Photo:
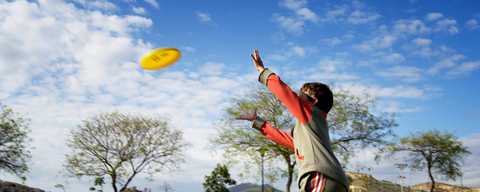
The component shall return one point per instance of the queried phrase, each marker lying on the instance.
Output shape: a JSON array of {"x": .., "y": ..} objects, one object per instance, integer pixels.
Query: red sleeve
[
  {"x": 300, "y": 108},
  {"x": 278, "y": 136}
]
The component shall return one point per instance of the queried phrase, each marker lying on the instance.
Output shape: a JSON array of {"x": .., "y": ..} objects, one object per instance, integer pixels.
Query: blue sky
[{"x": 61, "y": 61}]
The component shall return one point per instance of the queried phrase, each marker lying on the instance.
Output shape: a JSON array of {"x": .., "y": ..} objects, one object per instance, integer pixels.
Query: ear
[{"x": 315, "y": 102}]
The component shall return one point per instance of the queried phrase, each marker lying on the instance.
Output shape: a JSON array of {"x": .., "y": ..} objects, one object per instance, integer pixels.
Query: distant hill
[
  {"x": 12, "y": 186},
  {"x": 443, "y": 187},
  {"x": 371, "y": 184},
  {"x": 248, "y": 187}
]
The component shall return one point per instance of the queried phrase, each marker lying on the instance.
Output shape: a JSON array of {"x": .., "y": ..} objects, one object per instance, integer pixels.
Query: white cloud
[
  {"x": 97, "y": 5},
  {"x": 189, "y": 49},
  {"x": 410, "y": 27},
  {"x": 138, "y": 10},
  {"x": 407, "y": 74},
  {"x": 471, "y": 165},
  {"x": 332, "y": 15},
  {"x": 327, "y": 76},
  {"x": 421, "y": 47},
  {"x": 68, "y": 32},
  {"x": 446, "y": 22},
  {"x": 393, "y": 58},
  {"x": 433, "y": 16},
  {"x": 425, "y": 52},
  {"x": 342, "y": 54},
  {"x": 396, "y": 107},
  {"x": 445, "y": 63},
  {"x": 471, "y": 24},
  {"x": 329, "y": 65},
  {"x": 292, "y": 50},
  {"x": 421, "y": 42},
  {"x": 296, "y": 23},
  {"x": 153, "y": 3},
  {"x": 277, "y": 37},
  {"x": 397, "y": 91},
  {"x": 293, "y": 4},
  {"x": 453, "y": 30},
  {"x": 211, "y": 68},
  {"x": 70, "y": 63},
  {"x": 382, "y": 42},
  {"x": 349, "y": 36},
  {"x": 300, "y": 51},
  {"x": 307, "y": 14},
  {"x": 358, "y": 17},
  {"x": 332, "y": 42},
  {"x": 463, "y": 70},
  {"x": 358, "y": 4},
  {"x": 277, "y": 57},
  {"x": 447, "y": 25},
  {"x": 205, "y": 18},
  {"x": 292, "y": 25}
]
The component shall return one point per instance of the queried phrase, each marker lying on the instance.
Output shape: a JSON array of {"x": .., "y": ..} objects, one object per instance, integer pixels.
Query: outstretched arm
[{"x": 278, "y": 136}]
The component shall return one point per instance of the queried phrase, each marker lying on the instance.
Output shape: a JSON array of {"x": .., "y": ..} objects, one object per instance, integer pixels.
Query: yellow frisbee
[{"x": 160, "y": 58}]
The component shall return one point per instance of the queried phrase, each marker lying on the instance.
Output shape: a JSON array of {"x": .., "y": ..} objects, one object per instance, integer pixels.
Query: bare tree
[{"x": 121, "y": 146}]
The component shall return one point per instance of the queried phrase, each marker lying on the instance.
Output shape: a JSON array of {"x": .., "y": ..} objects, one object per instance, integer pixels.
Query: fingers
[
  {"x": 242, "y": 117},
  {"x": 257, "y": 55}
]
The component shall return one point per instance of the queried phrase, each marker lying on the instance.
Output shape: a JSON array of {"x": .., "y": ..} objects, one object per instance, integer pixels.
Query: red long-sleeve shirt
[{"x": 301, "y": 109}]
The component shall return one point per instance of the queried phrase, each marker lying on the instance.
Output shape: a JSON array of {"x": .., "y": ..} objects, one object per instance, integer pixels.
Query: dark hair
[{"x": 321, "y": 92}]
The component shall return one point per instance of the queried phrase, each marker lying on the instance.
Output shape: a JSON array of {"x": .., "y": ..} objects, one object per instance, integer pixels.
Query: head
[{"x": 319, "y": 95}]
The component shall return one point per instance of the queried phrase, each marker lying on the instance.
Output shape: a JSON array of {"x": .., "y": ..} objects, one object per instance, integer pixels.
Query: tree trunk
[
  {"x": 431, "y": 178},
  {"x": 114, "y": 184},
  {"x": 290, "y": 177}
]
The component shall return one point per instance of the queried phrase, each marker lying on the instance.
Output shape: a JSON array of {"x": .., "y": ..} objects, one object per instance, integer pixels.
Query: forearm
[{"x": 278, "y": 136}]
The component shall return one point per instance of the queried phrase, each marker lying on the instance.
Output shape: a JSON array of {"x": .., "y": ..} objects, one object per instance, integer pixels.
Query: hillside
[
  {"x": 249, "y": 187},
  {"x": 369, "y": 183}
]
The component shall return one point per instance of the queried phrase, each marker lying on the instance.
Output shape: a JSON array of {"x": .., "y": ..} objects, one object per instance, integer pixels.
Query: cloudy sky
[{"x": 62, "y": 61}]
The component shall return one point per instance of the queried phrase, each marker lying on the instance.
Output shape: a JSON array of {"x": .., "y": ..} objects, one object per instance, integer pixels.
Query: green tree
[
  {"x": 441, "y": 154},
  {"x": 122, "y": 146},
  {"x": 217, "y": 180},
  {"x": 353, "y": 126},
  {"x": 14, "y": 153}
]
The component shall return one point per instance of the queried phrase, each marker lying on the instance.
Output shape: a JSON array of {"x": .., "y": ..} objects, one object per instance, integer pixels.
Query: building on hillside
[{"x": 6, "y": 186}]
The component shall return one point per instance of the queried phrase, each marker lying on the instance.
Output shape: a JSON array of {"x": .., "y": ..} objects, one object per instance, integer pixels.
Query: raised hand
[{"x": 257, "y": 61}]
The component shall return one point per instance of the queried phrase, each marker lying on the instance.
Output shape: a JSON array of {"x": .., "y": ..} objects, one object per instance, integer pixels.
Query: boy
[{"x": 318, "y": 168}]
